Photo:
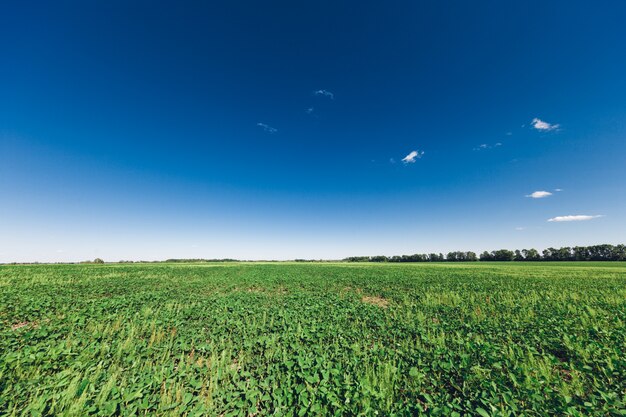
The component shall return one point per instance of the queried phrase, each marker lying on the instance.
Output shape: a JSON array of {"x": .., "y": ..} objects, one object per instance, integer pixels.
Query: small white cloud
[
  {"x": 309, "y": 110},
  {"x": 268, "y": 129},
  {"x": 574, "y": 218},
  {"x": 558, "y": 190},
  {"x": 540, "y": 194},
  {"x": 483, "y": 146},
  {"x": 520, "y": 228},
  {"x": 543, "y": 126},
  {"x": 325, "y": 93},
  {"x": 410, "y": 158},
  {"x": 391, "y": 160}
]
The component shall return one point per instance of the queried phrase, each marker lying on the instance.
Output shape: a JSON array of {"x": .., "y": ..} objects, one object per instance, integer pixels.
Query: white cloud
[
  {"x": 574, "y": 218},
  {"x": 268, "y": 129},
  {"x": 325, "y": 93},
  {"x": 520, "y": 228},
  {"x": 309, "y": 110},
  {"x": 540, "y": 194},
  {"x": 543, "y": 126},
  {"x": 483, "y": 146},
  {"x": 558, "y": 190},
  {"x": 410, "y": 158}
]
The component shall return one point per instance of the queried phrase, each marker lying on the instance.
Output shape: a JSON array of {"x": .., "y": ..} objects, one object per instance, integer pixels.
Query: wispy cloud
[
  {"x": 309, "y": 110},
  {"x": 520, "y": 228},
  {"x": 325, "y": 93},
  {"x": 411, "y": 157},
  {"x": 539, "y": 194},
  {"x": 574, "y": 218},
  {"x": 543, "y": 126},
  {"x": 266, "y": 128},
  {"x": 558, "y": 190},
  {"x": 392, "y": 161},
  {"x": 483, "y": 146}
]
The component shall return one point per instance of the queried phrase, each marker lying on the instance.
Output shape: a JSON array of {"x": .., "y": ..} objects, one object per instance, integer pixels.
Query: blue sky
[{"x": 278, "y": 130}]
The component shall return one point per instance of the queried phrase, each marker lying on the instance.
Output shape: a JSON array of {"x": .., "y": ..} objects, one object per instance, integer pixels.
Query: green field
[{"x": 253, "y": 339}]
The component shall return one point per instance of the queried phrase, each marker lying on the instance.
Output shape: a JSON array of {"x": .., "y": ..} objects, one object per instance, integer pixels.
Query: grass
[{"x": 483, "y": 339}]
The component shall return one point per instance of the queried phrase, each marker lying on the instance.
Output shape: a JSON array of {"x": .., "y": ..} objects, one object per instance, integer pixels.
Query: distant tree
[
  {"x": 581, "y": 253},
  {"x": 416, "y": 257},
  {"x": 379, "y": 258},
  {"x": 531, "y": 255},
  {"x": 453, "y": 257},
  {"x": 486, "y": 256},
  {"x": 595, "y": 252},
  {"x": 460, "y": 256},
  {"x": 357, "y": 259},
  {"x": 98, "y": 261},
  {"x": 563, "y": 254},
  {"x": 502, "y": 255},
  {"x": 604, "y": 252},
  {"x": 549, "y": 254},
  {"x": 619, "y": 253}
]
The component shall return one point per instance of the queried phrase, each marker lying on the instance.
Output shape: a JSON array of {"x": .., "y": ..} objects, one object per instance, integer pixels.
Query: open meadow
[{"x": 255, "y": 339}]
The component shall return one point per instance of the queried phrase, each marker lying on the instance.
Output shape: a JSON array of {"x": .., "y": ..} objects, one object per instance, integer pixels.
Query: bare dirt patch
[
  {"x": 22, "y": 324},
  {"x": 376, "y": 301},
  {"x": 280, "y": 291},
  {"x": 264, "y": 291}
]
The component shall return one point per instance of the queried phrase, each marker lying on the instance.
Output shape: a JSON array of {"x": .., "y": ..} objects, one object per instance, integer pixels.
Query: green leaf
[{"x": 482, "y": 412}]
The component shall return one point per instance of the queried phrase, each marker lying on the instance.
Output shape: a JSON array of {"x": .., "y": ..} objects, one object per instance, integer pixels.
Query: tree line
[{"x": 604, "y": 252}]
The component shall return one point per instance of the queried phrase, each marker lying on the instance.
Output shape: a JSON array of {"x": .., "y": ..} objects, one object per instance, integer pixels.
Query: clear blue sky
[{"x": 256, "y": 130}]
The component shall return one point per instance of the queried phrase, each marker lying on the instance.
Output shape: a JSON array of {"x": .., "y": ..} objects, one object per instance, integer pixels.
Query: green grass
[{"x": 483, "y": 339}]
